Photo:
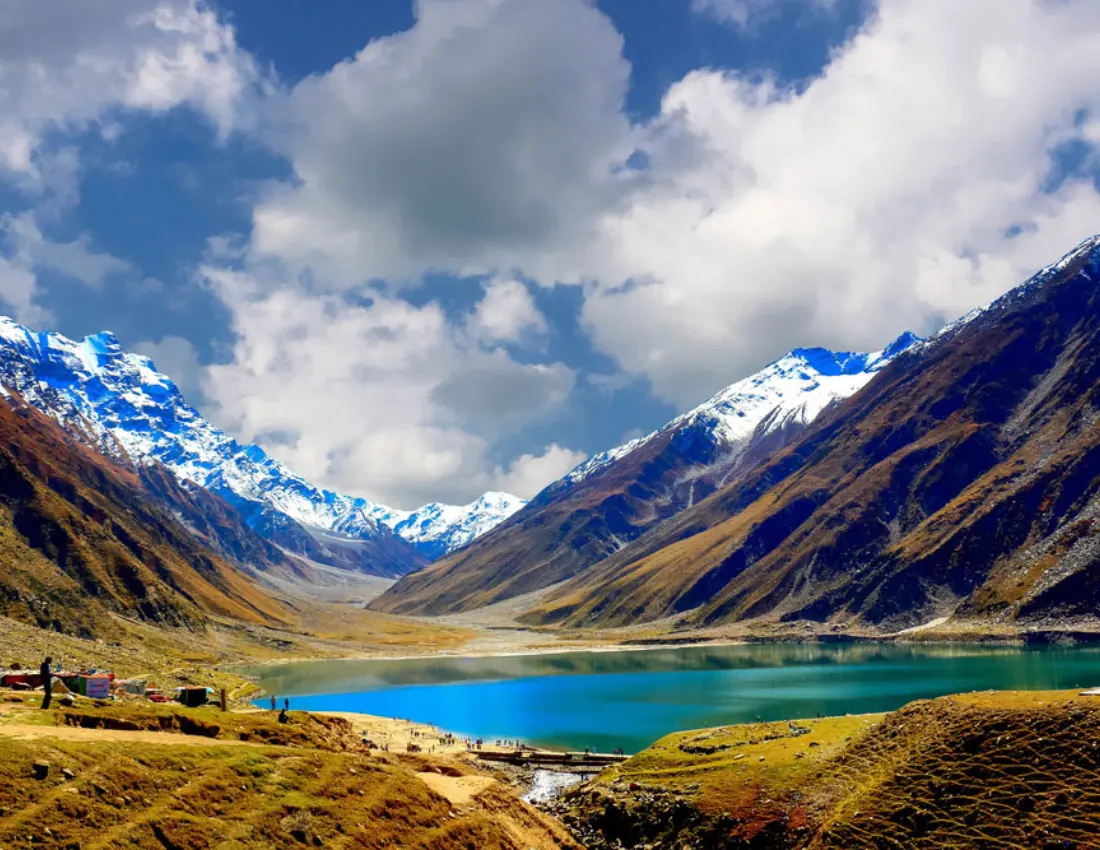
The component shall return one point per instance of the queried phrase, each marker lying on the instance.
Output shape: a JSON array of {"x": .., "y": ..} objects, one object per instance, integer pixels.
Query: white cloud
[
  {"x": 879, "y": 197},
  {"x": 67, "y": 64},
  {"x": 28, "y": 247},
  {"x": 24, "y": 251},
  {"x": 744, "y": 13},
  {"x": 528, "y": 474},
  {"x": 507, "y": 313},
  {"x": 373, "y": 395},
  {"x": 17, "y": 289},
  {"x": 475, "y": 140}
]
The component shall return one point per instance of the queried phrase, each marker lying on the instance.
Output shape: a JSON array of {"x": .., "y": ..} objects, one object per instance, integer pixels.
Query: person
[
  {"x": 286, "y": 703},
  {"x": 273, "y": 702},
  {"x": 46, "y": 672}
]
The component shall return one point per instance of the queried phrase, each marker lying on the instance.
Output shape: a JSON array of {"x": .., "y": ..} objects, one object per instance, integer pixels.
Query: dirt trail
[
  {"x": 75, "y": 733},
  {"x": 459, "y": 790}
]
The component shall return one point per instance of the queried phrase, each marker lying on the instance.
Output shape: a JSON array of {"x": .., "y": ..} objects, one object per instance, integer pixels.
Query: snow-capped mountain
[
  {"x": 793, "y": 390},
  {"x": 120, "y": 402},
  {"x": 437, "y": 529},
  {"x": 615, "y": 497}
]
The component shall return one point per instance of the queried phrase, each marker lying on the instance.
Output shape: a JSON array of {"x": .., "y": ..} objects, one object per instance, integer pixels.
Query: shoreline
[
  {"x": 489, "y": 653},
  {"x": 1039, "y": 637}
]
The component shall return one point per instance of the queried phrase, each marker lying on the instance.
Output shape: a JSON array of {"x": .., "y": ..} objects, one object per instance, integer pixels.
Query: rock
[
  {"x": 68, "y": 774},
  {"x": 41, "y": 769}
]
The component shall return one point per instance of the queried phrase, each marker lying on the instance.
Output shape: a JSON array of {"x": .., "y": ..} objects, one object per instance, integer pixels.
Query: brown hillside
[
  {"x": 220, "y": 527},
  {"x": 973, "y": 771},
  {"x": 198, "y": 779},
  {"x": 80, "y": 535},
  {"x": 570, "y": 527},
  {"x": 962, "y": 482}
]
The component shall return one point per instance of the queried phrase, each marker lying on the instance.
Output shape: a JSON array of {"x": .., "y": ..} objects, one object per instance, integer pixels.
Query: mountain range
[
  {"x": 951, "y": 478},
  {"x": 118, "y": 402},
  {"x": 960, "y": 482}
]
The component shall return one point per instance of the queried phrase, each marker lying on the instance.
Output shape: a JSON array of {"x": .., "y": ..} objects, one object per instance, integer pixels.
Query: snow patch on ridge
[{"x": 796, "y": 388}]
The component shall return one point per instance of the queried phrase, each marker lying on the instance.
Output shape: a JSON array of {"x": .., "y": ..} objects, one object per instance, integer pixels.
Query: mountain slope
[
  {"x": 615, "y": 497},
  {"x": 119, "y": 403},
  {"x": 81, "y": 536},
  {"x": 964, "y": 482}
]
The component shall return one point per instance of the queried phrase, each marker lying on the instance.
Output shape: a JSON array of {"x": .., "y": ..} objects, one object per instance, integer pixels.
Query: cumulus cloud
[
  {"x": 375, "y": 396},
  {"x": 530, "y": 473},
  {"x": 507, "y": 313},
  {"x": 68, "y": 64},
  {"x": 906, "y": 184},
  {"x": 474, "y": 141}
]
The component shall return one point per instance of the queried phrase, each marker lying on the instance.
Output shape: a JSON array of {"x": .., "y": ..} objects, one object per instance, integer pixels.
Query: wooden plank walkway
[{"x": 523, "y": 757}]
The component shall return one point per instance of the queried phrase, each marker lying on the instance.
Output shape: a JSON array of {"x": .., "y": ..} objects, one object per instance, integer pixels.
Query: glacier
[{"x": 119, "y": 402}]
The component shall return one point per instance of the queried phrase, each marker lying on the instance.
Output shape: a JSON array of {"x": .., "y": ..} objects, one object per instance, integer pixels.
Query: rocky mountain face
[
  {"x": 120, "y": 404},
  {"x": 82, "y": 537},
  {"x": 615, "y": 497},
  {"x": 963, "y": 482}
]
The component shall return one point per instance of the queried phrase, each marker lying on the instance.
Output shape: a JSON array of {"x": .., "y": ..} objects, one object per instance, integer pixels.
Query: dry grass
[
  {"x": 989, "y": 770},
  {"x": 306, "y": 784}
]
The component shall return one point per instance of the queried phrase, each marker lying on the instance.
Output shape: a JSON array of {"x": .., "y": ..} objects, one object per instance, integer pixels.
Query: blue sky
[{"x": 422, "y": 252}]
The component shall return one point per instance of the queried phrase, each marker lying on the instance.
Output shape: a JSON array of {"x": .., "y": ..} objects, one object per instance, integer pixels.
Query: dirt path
[
  {"x": 75, "y": 733},
  {"x": 459, "y": 790}
]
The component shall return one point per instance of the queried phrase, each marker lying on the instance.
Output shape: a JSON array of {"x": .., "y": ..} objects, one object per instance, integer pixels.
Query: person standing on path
[
  {"x": 286, "y": 703},
  {"x": 273, "y": 702},
  {"x": 46, "y": 673}
]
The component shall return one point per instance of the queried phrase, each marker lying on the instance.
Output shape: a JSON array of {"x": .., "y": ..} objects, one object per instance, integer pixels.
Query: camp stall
[
  {"x": 94, "y": 686},
  {"x": 192, "y": 697}
]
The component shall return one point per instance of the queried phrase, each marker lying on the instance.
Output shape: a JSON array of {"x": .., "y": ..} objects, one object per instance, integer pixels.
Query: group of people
[{"x": 283, "y": 718}]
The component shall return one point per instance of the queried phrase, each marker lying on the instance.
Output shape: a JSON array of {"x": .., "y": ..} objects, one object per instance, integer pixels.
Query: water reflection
[
  {"x": 605, "y": 700},
  {"x": 347, "y": 676}
]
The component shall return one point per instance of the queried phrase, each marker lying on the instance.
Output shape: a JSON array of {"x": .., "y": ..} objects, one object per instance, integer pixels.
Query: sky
[{"x": 421, "y": 250}]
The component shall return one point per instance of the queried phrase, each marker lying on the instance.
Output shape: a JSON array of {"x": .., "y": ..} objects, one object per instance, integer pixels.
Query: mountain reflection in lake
[{"x": 628, "y": 699}]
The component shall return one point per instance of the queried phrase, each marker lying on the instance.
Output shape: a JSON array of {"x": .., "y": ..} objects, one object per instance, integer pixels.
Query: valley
[{"x": 846, "y": 537}]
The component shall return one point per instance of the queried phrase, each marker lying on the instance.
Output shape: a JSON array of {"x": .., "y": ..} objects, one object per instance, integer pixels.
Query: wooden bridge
[{"x": 569, "y": 760}]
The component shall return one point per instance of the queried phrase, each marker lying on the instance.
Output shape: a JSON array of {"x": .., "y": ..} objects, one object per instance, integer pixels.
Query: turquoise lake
[{"x": 629, "y": 699}]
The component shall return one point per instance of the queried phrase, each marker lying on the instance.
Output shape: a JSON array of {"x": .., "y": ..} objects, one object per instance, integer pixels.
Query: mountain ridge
[
  {"x": 962, "y": 483},
  {"x": 119, "y": 403},
  {"x": 82, "y": 537},
  {"x": 617, "y": 496}
]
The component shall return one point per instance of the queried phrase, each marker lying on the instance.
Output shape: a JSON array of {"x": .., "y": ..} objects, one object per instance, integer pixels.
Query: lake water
[{"x": 629, "y": 699}]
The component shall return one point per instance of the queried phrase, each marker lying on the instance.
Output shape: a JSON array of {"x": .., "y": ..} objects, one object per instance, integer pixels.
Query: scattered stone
[
  {"x": 41, "y": 769},
  {"x": 67, "y": 773}
]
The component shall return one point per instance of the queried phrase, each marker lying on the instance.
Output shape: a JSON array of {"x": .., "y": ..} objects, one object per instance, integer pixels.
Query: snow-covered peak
[
  {"x": 796, "y": 388},
  {"x": 119, "y": 400},
  {"x": 449, "y": 527}
]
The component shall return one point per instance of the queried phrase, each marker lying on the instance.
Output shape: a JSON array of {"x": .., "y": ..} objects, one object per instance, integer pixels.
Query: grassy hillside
[
  {"x": 197, "y": 779},
  {"x": 980, "y": 770}
]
